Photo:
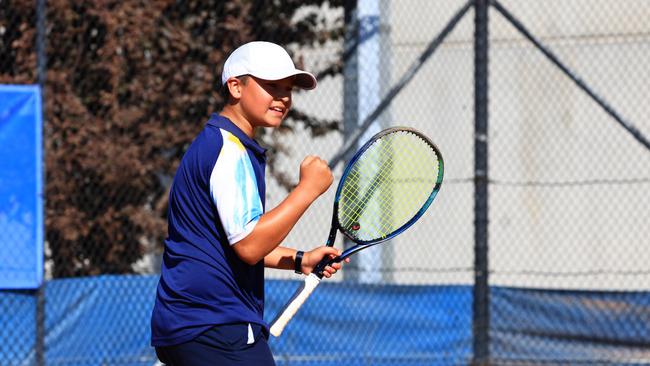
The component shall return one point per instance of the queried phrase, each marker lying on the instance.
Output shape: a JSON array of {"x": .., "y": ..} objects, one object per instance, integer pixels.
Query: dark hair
[{"x": 225, "y": 93}]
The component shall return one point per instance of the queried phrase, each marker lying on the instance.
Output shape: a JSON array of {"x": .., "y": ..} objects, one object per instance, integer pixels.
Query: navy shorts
[{"x": 229, "y": 344}]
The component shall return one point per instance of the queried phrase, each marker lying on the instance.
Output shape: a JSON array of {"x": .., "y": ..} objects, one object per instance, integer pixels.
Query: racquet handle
[{"x": 290, "y": 309}]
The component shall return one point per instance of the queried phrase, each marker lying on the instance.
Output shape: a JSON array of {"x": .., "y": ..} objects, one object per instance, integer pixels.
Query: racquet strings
[{"x": 388, "y": 185}]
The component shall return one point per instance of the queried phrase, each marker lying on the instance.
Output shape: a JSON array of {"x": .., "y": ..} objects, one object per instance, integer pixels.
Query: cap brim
[{"x": 304, "y": 80}]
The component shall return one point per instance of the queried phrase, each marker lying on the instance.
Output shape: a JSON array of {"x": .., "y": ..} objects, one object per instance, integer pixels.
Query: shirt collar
[{"x": 220, "y": 121}]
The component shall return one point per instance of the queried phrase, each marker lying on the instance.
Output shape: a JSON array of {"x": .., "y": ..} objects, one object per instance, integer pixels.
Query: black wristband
[{"x": 297, "y": 267}]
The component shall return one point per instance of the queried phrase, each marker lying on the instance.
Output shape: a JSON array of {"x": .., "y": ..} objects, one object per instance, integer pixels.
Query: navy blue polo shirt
[{"x": 216, "y": 199}]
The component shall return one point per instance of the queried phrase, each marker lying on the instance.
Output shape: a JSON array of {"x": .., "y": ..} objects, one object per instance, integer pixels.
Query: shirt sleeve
[{"x": 233, "y": 188}]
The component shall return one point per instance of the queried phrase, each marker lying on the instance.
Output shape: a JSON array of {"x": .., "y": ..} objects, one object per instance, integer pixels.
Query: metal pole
[
  {"x": 369, "y": 264},
  {"x": 481, "y": 295},
  {"x": 41, "y": 65},
  {"x": 351, "y": 95}
]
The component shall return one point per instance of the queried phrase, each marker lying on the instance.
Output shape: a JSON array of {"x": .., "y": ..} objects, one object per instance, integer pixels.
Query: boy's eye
[{"x": 278, "y": 86}]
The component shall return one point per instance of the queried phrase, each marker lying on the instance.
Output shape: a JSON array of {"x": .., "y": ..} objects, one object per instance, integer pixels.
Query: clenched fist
[{"x": 315, "y": 175}]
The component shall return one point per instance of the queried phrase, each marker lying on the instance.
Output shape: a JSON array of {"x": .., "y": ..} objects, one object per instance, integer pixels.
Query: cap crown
[{"x": 265, "y": 60}]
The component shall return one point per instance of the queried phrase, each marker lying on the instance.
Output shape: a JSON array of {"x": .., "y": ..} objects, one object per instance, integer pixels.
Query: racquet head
[{"x": 388, "y": 185}]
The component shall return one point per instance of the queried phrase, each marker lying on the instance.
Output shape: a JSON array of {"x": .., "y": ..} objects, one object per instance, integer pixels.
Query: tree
[{"x": 129, "y": 85}]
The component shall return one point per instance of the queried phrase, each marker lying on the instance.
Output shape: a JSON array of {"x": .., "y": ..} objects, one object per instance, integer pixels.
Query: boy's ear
[{"x": 234, "y": 87}]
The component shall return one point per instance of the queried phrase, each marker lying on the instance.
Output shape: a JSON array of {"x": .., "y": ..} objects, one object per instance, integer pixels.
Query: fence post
[
  {"x": 481, "y": 291},
  {"x": 41, "y": 72}
]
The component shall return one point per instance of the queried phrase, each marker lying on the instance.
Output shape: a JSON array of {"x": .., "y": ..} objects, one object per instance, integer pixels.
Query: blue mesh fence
[{"x": 105, "y": 321}]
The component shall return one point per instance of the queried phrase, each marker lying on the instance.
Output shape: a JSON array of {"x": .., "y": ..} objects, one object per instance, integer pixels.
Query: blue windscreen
[
  {"x": 21, "y": 188},
  {"x": 105, "y": 320}
]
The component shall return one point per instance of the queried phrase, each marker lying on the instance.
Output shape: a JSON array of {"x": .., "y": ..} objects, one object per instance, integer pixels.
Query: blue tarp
[
  {"x": 355, "y": 324},
  {"x": 576, "y": 326},
  {"x": 105, "y": 320},
  {"x": 21, "y": 203}
]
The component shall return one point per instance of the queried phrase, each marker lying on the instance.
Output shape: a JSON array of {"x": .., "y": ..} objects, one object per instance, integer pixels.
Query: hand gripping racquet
[{"x": 385, "y": 188}]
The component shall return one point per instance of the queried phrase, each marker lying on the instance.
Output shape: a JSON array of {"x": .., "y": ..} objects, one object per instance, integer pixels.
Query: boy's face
[{"x": 265, "y": 103}]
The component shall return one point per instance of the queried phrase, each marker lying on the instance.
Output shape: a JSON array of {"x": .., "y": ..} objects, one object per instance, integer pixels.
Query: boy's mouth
[{"x": 278, "y": 109}]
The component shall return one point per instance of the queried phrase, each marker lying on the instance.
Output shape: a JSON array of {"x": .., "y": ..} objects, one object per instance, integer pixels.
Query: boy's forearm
[
  {"x": 274, "y": 226},
  {"x": 281, "y": 258}
]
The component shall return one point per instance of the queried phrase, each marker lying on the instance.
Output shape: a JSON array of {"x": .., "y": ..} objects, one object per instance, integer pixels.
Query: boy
[{"x": 210, "y": 298}]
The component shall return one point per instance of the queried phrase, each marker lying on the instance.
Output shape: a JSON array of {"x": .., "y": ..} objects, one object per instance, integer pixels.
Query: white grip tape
[{"x": 290, "y": 309}]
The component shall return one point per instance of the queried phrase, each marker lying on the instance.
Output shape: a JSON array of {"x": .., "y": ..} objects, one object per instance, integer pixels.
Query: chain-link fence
[{"x": 534, "y": 251}]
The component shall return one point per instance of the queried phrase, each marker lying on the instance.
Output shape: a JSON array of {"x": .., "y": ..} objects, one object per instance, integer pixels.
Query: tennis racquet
[{"x": 385, "y": 188}]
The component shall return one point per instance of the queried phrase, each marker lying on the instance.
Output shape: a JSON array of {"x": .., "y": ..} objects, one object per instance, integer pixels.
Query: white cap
[{"x": 265, "y": 60}]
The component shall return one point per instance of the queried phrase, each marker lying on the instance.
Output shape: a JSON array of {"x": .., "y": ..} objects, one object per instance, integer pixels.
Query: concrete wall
[{"x": 570, "y": 194}]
